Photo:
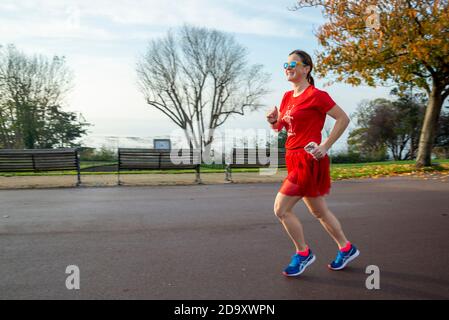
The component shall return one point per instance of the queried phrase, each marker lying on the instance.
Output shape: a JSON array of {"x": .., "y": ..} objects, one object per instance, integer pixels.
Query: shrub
[
  {"x": 102, "y": 154},
  {"x": 355, "y": 157}
]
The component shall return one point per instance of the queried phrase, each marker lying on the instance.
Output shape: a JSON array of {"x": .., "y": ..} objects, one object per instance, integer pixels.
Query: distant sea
[{"x": 113, "y": 142}]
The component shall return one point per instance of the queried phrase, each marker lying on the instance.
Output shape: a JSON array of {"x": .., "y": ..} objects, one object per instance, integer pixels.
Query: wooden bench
[
  {"x": 154, "y": 159},
  {"x": 38, "y": 160},
  {"x": 249, "y": 158}
]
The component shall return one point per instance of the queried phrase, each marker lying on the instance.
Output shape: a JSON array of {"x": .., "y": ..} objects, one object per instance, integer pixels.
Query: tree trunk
[
  {"x": 411, "y": 154},
  {"x": 429, "y": 126}
]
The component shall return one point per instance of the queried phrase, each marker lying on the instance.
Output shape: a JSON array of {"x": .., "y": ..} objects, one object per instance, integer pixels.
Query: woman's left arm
[{"x": 342, "y": 122}]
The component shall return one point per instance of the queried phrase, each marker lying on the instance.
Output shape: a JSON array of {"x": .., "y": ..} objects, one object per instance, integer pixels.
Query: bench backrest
[
  {"x": 132, "y": 158},
  {"x": 16, "y": 160}
]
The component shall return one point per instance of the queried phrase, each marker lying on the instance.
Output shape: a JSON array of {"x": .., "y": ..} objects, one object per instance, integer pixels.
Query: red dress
[{"x": 303, "y": 117}]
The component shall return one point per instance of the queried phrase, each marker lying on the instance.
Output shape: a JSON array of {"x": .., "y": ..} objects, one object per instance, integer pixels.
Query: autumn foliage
[{"x": 394, "y": 42}]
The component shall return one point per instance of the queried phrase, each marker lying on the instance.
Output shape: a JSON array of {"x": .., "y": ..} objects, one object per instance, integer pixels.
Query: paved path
[
  {"x": 142, "y": 179},
  {"x": 220, "y": 242}
]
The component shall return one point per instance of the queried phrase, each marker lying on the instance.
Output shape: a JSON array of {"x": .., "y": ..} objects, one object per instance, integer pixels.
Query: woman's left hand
[{"x": 319, "y": 152}]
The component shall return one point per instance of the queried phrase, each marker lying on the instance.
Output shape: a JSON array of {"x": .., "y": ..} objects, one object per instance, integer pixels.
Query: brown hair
[{"x": 307, "y": 60}]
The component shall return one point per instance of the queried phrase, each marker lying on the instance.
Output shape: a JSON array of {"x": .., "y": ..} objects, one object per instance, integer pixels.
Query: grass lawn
[
  {"x": 338, "y": 170},
  {"x": 386, "y": 168}
]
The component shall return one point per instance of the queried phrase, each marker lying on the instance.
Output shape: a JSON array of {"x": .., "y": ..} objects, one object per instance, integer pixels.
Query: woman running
[{"x": 303, "y": 112}]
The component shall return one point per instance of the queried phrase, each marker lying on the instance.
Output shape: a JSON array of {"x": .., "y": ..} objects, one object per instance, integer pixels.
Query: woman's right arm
[{"x": 279, "y": 124}]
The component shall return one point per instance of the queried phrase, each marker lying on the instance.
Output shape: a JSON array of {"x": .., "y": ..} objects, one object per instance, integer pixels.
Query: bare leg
[
  {"x": 318, "y": 208},
  {"x": 283, "y": 206}
]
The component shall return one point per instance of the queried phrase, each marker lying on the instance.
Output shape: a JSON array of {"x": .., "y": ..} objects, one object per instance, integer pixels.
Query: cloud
[
  {"x": 115, "y": 20},
  {"x": 11, "y": 30},
  {"x": 101, "y": 39}
]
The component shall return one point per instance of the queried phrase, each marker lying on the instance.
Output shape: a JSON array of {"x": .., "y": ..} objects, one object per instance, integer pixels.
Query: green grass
[
  {"x": 387, "y": 168},
  {"x": 90, "y": 164},
  {"x": 384, "y": 163},
  {"x": 338, "y": 170}
]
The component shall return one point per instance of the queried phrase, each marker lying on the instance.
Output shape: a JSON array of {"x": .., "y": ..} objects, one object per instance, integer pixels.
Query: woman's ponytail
[{"x": 310, "y": 79}]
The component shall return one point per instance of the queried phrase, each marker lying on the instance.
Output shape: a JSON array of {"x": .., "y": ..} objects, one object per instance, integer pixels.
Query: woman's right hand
[{"x": 272, "y": 115}]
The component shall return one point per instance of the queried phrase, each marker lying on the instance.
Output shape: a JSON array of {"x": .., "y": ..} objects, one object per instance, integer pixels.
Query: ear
[{"x": 309, "y": 69}]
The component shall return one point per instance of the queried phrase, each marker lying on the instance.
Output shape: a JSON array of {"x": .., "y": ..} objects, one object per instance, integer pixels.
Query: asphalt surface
[{"x": 221, "y": 242}]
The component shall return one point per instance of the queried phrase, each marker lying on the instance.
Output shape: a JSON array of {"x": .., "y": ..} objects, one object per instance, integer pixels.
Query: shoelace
[
  {"x": 340, "y": 256},
  {"x": 296, "y": 259}
]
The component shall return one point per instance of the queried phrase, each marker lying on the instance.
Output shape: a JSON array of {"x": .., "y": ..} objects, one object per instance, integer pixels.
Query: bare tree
[{"x": 198, "y": 77}]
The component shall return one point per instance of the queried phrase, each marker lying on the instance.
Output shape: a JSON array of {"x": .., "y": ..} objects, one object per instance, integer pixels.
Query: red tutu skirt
[{"x": 307, "y": 177}]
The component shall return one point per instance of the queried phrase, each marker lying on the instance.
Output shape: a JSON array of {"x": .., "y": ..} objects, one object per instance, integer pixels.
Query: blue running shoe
[
  {"x": 298, "y": 264},
  {"x": 343, "y": 258}
]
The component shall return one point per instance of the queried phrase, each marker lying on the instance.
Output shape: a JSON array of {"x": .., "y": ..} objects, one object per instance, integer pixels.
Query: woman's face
[{"x": 297, "y": 73}]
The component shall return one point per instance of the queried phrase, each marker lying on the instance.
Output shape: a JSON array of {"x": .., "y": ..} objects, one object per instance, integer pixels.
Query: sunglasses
[{"x": 293, "y": 64}]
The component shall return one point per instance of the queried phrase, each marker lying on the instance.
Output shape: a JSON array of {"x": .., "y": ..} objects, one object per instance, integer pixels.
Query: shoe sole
[
  {"x": 305, "y": 267},
  {"x": 355, "y": 255}
]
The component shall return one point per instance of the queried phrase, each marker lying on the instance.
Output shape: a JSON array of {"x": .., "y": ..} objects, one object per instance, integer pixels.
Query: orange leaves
[
  {"x": 410, "y": 12},
  {"x": 406, "y": 36},
  {"x": 389, "y": 170},
  {"x": 380, "y": 39}
]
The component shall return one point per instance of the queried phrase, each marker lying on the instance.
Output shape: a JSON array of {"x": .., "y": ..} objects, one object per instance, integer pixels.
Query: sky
[{"x": 103, "y": 39}]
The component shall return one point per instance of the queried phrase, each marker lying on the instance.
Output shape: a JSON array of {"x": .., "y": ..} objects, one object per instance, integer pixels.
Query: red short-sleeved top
[{"x": 304, "y": 116}]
